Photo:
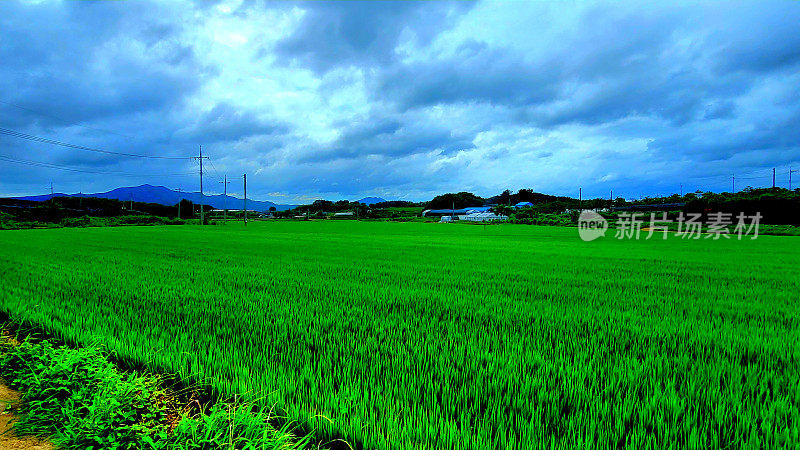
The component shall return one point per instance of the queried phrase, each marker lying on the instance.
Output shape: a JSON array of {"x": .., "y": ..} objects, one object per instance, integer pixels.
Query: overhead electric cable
[
  {"x": 72, "y": 169},
  {"x": 215, "y": 169},
  {"x": 17, "y": 134},
  {"x": 65, "y": 121}
]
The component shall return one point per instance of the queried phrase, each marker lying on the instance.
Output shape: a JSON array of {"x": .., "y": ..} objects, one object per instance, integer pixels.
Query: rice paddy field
[{"x": 442, "y": 336}]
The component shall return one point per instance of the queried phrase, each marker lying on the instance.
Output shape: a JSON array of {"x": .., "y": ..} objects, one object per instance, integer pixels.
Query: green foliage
[
  {"x": 87, "y": 211},
  {"x": 400, "y": 204},
  {"x": 528, "y": 195},
  {"x": 80, "y": 400},
  {"x": 78, "y": 396},
  {"x": 777, "y": 206},
  {"x": 397, "y": 212},
  {"x": 529, "y": 216},
  {"x": 503, "y": 210},
  {"x": 16, "y": 225},
  {"x": 420, "y": 336},
  {"x": 233, "y": 426},
  {"x": 779, "y": 230},
  {"x": 87, "y": 221},
  {"x": 461, "y": 200}
]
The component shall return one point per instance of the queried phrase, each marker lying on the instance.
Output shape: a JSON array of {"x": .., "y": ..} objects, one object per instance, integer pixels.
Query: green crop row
[{"x": 428, "y": 336}]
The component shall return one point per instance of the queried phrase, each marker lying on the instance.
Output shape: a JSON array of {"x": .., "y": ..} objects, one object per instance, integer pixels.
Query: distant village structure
[{"x": 469, "y": 214}]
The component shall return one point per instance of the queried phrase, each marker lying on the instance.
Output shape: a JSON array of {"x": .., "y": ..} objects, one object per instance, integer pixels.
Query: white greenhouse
[{"x": 483, "y": 217}]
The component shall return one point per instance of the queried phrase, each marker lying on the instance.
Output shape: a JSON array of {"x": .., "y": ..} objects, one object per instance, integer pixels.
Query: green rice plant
[
  {"x": 234, "y": 426},
  {"x": 427, "y": 336}
]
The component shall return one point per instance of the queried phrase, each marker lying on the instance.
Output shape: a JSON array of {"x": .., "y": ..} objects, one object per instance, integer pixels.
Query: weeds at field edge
[{"x": 79, "y": 399}]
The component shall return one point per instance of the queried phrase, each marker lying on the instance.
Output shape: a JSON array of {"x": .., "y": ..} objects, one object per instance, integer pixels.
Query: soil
[{"x": 9, "y": 404}]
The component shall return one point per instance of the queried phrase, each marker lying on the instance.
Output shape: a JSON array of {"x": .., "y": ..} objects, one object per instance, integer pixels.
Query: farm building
[
  {"x": 454, "y": 212},
  {"x": 484, "y": 216}
]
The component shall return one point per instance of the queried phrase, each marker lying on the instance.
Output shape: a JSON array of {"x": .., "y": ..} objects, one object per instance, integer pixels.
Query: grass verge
[{"x": 78, "y": 399}]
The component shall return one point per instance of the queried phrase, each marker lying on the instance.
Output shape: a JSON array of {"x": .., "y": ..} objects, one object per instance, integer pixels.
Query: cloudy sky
[{"x": 400, "y": 100}]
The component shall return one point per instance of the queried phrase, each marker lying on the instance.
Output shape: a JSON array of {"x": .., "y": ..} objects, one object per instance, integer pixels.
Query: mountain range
[
  {"x": 164, "y": 196},
  {"x": 159, "y": 194},
  {"x": 371, "y": 200}
]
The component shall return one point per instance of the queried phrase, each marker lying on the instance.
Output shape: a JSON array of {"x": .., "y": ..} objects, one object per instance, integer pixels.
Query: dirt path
[{"x": 9, "y": 402}]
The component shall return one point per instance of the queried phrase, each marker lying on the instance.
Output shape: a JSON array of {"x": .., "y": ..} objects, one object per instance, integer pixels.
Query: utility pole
[
  {"x": 790, "y": 177},
  {"x": 245, "y": 199},
  {"x": 773, "y": 178},
  {"x": 180, "y": 200},
  {"x": 580, "y": 198},
  {"x": 733, "y": 183},
  {"x": 225, "y": 183},
  {"x": 202, "y": 215},
  {"x": 453, "y": 212},
  {"x": 52, "y": 202},
  {"x": 681, "y": 190},
  {"x": 201, "y": 158}
]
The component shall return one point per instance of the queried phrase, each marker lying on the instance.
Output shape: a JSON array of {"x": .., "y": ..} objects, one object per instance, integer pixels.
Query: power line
[
  {"x": 215, "y": 168},
  {"x": 200, "y": 160},
  {"x": 722, "y": 175},
  {"x": 31, "y": 137},
  {"x": 29, "y": 162},
  {"x": 755, "y": 178},
  {"x": 65, "y": 121},
  {"x": 225, "y": 183}
]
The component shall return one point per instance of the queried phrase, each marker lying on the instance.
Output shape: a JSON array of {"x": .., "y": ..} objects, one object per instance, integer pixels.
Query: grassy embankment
[{"x": 78, "y": 399}]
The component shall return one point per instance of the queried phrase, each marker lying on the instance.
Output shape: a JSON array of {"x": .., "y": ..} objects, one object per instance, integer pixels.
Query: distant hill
[
  {"x": 165, "y": 196},
  {"x": 370, "y": 200}
]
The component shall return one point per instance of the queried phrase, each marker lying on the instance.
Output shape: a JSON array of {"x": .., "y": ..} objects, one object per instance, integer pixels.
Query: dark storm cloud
[
  {"x": 618, "y": 65},
  {"x": 615, "y": 65},
  {"x": 363, "y": 33},
  {"x": 723, "y": 109},
  {"x": 478, "y": 74},
  {"x": 225, "y": 123},
  {"x": 758, "y": 38},
  {"x": 103, "y": 75},
  {"x": 89, "y": 61},
  {"x": 779, "y": 135},
  {"x": 390, "y": 138},
  {"x": 354, "y": 97}
]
